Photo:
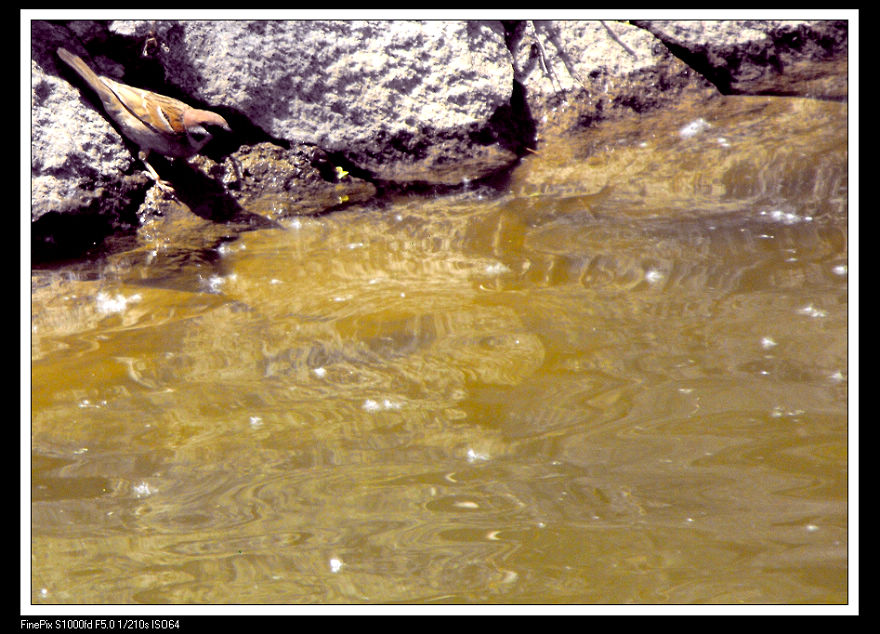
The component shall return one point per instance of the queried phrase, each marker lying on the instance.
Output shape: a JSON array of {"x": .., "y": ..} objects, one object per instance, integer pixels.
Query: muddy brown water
[{"x": 622, "y": 380}]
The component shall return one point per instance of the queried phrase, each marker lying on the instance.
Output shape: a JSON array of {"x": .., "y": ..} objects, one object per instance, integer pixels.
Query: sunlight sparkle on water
[
  {"x": 116, "y": 304},
  {"x": 474, "y": 456},
  {"x": 143, "y": 489},
  {"x": 694, "y": 128},
  {"x": 497, "y": 268},
  {"x": 811, "y": 311},
  {"x": 214, "y": 283},
  {"x": 785, "y": 217},
  {"x": 653, "y": 276},
  {"x": 375, "y": 406}
]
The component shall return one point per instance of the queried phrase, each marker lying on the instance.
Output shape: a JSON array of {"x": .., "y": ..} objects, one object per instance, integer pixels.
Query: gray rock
[
  {"x": 576, "y": 73},
  {"x": 75, "y": 152},
  {"x": 404, "y": 102},
  {"x": 82, "y": 184},
  {"x": 384, "y": 94},
  {"x": 275, "y": 183},
  {"x": 775, "y": 57}
]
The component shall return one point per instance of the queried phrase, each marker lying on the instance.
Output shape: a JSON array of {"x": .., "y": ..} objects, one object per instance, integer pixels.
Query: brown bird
[{"x": 154, "y": 122}]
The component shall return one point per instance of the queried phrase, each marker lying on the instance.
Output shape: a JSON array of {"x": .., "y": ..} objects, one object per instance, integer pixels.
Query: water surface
[{"x": 623, "y": 379}]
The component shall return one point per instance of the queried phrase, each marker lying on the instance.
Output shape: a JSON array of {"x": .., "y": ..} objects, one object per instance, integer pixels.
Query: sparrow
[{"x": 154, "y": 122}]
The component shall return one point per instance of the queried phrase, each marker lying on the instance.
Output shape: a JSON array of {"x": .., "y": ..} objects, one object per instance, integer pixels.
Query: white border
[{"x": 31, "y": 610}]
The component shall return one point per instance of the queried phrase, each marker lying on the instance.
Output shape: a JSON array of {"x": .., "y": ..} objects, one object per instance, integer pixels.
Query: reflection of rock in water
[
  {"x": 431, "y": 351},
  {"x": 743, "y": 152}
]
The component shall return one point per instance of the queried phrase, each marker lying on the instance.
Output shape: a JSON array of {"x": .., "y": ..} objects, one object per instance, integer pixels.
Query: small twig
[{"x": 617, "y": 39}]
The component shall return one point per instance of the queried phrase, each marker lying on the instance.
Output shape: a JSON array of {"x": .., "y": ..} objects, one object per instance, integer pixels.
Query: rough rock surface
[
  {"x": 381, "y": 93},
  {"x": 775, "y": 57},
  {"x": 276, "y": 182},
  {"x": 398, "y": 103},
  {"x": 578, "y": 72}
]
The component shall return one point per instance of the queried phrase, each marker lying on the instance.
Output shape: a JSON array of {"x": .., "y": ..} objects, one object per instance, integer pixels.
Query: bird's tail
[{"x": 77, "y": 64}]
